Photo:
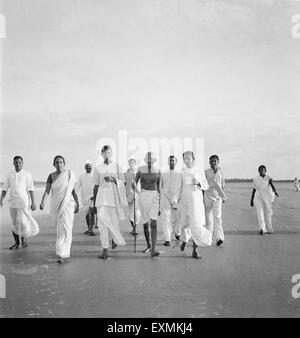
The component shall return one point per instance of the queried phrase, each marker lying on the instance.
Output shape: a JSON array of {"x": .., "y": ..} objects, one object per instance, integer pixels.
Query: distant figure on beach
[
  {"x": 132, "y": 196},
  {"x": 64, "y": 204},
  {"x": 170, "y": 189},
  {"x": 110, "y": 199},
  {"x": 296, "y": 184},
  {"x": 86, "y": 187},
  {"x": 149, "y": 200},
  {"x": 262, "y": 198},
  {"x": 21, "y": 187},
  {"x": 191, "y": 206},
  {"x": 214, "y": 196}
]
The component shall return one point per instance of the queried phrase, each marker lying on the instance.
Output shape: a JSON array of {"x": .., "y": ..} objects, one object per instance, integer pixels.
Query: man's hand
[
  {"x": 33, "y": 206},
  {"x": 42, "y": 206},
  {"x": 251, "y": 203},
  {"x": 1, "y": 202},
  {"x": 276, "y": 194}
]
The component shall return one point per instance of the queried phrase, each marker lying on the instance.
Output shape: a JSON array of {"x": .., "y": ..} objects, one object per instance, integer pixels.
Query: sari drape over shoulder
[
  {"x": 265, "y": 192},
  {"x": 26, "y": 226}
]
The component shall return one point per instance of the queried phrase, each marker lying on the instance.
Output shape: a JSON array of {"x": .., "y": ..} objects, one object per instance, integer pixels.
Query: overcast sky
[{"x": 75, "y": 71}]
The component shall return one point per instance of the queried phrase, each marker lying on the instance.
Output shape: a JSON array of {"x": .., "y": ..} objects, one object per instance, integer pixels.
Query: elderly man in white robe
[
  {"x": 21, "y": 187},
  {"x": 170, "y": 189},
  {"x": 86, "y": 187},
  {"x": 110, "y": 199}
]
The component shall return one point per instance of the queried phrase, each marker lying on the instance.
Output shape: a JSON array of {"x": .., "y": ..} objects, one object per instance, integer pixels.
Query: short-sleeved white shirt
[
  {"x": 19, "y": 184},
  {"x": 212, "y": 179}
]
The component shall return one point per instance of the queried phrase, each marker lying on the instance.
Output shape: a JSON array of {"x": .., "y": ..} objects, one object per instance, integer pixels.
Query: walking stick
[
  {"x": 90, "y": 221},
  {"x": 173, "y": 227},
  {"x": 134, "y": 220}
]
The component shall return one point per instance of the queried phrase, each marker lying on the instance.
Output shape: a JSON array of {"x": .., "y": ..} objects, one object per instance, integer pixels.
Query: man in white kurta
[
  {"x": 109, "y": 185},
  {"x": 86, "y": 187},
  {"x": 170, "y": 189},
  {"x": 214, "y": 196},
  {"x": 21, "y": 187}
]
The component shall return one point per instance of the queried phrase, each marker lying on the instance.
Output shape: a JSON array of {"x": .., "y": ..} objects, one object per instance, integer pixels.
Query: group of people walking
[{"x": 189, "y": 202}]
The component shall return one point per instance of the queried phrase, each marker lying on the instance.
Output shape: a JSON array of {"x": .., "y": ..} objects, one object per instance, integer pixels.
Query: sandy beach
[{"x": 249, "y": 276}]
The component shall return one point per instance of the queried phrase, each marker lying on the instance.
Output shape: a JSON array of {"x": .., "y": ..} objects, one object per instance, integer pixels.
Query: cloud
[{"x": 74, "y": 72}]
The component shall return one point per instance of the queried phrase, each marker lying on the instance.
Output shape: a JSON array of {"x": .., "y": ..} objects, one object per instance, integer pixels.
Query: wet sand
[{"x": 249, "y": 276}]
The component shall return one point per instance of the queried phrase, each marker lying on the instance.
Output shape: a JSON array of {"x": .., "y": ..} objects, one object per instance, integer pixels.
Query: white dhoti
[
  {"x": 86, "y": 186},
  {"x": 88, "y": 207},
  {"x": 213, "y": 215},
  {"x": 149, "y": 205},
  {"x": 109, "y": 223},
  {"x": 170, "y": 219},
  {"x": 24, "y": 224},
  {"x": 21, "y": 184},
  {"x": 193, "y": 219},
  {"x": 190, "y": 228}
]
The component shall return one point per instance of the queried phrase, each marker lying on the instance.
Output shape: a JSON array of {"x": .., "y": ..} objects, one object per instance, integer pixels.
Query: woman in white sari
[
  {"x": 262, "y": 198},
  {"x": 191, "y": 206},
  {"x": 64, "y": 203}
]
